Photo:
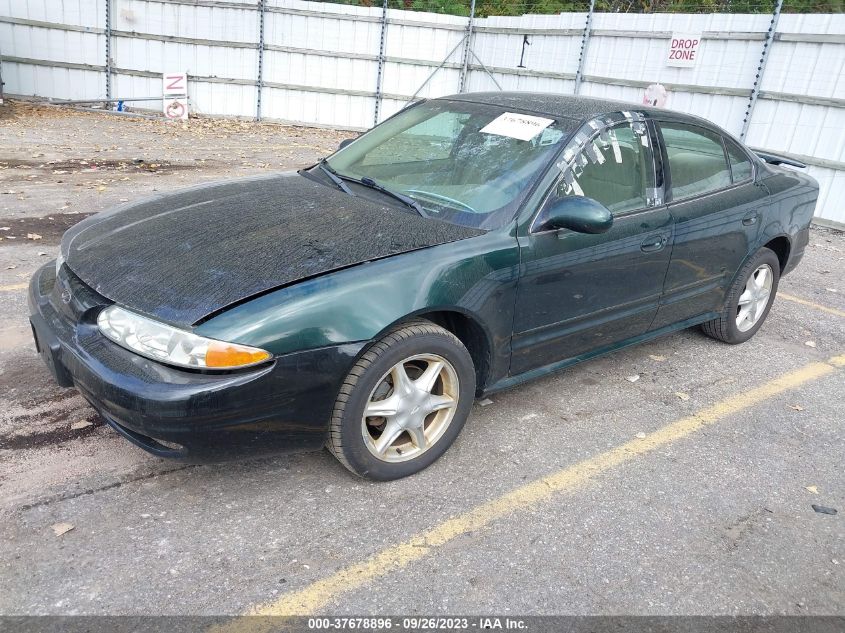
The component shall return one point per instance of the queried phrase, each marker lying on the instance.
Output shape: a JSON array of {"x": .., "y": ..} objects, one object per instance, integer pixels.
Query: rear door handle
[
  {"x": 750, "y": 218},
  {"x": 653, "y": 243}
]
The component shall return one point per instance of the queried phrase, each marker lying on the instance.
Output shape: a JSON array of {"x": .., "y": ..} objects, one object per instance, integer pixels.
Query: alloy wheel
[
  {"x": 754, "y": 298},
  {"x": 410, "y": 407}
]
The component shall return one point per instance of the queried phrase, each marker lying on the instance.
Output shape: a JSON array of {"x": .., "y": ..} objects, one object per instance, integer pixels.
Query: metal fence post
[
  {"x": 260, "y": 79},
  {"x": 585, "y": 40},
  {"x": 381, "y": 60},
  {"x": 467, "y": 48},
  {"x": 108, "y": 48},
  {"x": 758, "y": 78}
]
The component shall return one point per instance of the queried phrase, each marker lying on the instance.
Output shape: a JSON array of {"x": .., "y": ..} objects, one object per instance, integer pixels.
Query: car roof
[{"x": 571, "y": 107}]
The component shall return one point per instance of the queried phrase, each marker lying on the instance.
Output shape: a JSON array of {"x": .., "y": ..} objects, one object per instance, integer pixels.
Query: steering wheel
[{"x": 438, "y": 197}]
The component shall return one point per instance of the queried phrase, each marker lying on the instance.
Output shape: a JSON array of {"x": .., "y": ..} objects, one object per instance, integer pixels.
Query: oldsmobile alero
[{"x": 463, "y": 246}]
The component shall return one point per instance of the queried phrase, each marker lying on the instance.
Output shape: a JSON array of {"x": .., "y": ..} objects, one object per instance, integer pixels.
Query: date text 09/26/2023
[{"x": 417, "y": 623}]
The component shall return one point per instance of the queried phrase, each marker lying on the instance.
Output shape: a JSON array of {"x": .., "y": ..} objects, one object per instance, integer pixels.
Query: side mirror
[
  {"x": 576, "y": 213},
  {"x": 345, "y": 142}
]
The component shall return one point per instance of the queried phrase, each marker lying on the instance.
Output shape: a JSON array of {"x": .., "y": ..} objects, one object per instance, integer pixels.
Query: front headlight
[{"x": 173, "y": 346}]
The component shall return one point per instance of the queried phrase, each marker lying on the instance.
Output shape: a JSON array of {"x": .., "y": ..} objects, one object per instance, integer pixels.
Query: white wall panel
[
  {"x": 206, "y": 61},
  {"x": 721, "y": 62},
  {"x": 318, "y": 109},
  {"x": 320, "y": 63},
  {"x": 814, "y": 69},
  {"x": 91, "y": 13},
  {"x": 52, "y": 44},
  {"x": 405, "y": 79},
  {"x": 324, "y": 33},
  {"x": 810, "y": 130},
  {"x": 32, "y": 42},
  {"x": 183, "y": 20},
  {"x": 831, "y": 193},
  {"x": 428, "y": 44},
  {"x": 60, "y": 83}
]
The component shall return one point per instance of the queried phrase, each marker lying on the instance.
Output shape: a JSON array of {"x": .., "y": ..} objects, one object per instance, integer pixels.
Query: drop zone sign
[{"x": 683, "y": 49}]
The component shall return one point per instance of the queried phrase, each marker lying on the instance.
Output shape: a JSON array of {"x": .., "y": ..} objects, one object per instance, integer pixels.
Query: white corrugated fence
[{"x": 317, "y": 63}]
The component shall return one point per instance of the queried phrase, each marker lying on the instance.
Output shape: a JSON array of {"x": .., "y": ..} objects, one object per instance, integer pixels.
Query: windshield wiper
[
  {"x": 372, "y": 184},
  {"x": 338, "y": 179},
  {"x": 333, "y": 176}
]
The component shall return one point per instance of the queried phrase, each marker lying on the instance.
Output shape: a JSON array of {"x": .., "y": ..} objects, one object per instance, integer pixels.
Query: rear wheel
[
  {"x": 748, "y": 301},
  {"x": 403, "y": 403}
]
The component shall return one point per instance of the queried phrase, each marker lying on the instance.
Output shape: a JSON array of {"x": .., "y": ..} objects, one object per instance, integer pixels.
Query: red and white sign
[
  {"x": 683, "y": 49},
  {"x": 176, "y": 108},
  {"x": 175, "y": 91}
]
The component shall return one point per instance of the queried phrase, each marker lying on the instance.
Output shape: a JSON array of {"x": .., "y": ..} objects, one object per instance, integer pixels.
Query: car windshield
[{"x": 465, "y": 163}]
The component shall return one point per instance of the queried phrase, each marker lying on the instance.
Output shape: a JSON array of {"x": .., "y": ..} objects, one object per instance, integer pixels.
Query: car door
[
  {"x": 716, "y": 206},
  {"x": 579, "y": 292}
]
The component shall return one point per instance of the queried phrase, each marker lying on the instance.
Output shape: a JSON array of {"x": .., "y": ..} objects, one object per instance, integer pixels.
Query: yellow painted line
[
  {"x": 810, "y": 304},
  {"x": 22, "y": 286},
  {"x": 320, "y": 593}
]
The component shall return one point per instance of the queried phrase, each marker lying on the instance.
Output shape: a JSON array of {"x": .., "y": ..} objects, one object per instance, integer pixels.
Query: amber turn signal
[{"x": 222, "y": 354}]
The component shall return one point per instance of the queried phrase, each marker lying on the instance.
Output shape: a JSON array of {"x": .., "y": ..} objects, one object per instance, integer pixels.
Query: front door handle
[
  {"x": 653, "y": 243},
  {"x": 750, "y": 218}
]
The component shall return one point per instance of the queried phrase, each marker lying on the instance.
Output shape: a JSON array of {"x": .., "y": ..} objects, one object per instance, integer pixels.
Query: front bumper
[{"x": 283, "y": 406}]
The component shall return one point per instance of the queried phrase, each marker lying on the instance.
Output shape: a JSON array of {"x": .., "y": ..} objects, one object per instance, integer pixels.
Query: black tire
[
  {"x": 725, "y": 327},
  {"x": 346, "y": 440}
]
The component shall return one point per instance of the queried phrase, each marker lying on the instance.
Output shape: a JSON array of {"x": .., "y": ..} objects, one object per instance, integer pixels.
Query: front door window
[{"x": 614, "y": 167}]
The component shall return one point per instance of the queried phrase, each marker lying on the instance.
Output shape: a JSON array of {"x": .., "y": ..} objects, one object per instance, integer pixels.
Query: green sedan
[{"x": 463, "y": 246}]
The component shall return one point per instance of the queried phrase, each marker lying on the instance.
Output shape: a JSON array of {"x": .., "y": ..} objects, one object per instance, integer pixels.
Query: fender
[{"x": 475, "y": 277}]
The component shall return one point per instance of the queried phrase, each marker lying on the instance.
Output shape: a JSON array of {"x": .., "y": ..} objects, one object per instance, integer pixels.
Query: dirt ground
[{"x": 722, "y": 520}]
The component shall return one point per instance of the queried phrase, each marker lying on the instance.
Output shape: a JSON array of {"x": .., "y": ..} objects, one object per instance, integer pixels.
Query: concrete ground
[{"x": 686, "y": 491}]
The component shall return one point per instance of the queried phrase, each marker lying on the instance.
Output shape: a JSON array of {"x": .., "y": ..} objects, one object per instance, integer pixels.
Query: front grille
[{"x": 72, "y": 297}]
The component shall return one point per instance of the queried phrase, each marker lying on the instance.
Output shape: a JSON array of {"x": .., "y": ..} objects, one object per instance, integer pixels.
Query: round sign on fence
[{"x": 176, "y": 109}]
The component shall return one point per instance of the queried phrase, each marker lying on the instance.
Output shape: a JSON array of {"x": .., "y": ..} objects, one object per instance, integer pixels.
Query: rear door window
[{"x": 697, "y": 163}]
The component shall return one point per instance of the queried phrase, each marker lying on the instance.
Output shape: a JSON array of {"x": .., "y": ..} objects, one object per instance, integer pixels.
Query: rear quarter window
[{"x": 740, "y": 164}]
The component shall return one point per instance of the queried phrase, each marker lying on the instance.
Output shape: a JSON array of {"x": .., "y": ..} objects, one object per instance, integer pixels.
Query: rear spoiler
[{"x": 777, "y": 159}]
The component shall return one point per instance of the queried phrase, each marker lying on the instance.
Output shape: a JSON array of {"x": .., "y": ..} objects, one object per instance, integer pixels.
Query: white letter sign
[{"x": 683, "y": 49}]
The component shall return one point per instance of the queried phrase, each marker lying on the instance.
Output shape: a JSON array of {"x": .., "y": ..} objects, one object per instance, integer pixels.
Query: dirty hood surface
[{"x": 182, "y": 256}]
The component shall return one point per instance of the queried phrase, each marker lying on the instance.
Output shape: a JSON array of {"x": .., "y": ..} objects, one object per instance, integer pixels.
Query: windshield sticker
[
  {"x": 519, "y": 126},
  {"x": 617, "y": 153},
  {"x": 593, "y": 151},
  {"x": 596, "y": 137},
  {"x": 550, "y": 136},
  {"x": 570, "y": 185},
  {"x": 654, "y": 196}
]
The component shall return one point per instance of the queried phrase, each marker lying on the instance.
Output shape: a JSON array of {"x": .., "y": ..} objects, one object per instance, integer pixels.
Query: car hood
[{"x": 184, "y": 256}]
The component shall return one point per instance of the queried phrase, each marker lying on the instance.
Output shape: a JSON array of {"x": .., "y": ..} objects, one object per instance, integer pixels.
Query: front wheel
[
  {"x": 403, "y": 403},
  {"x": 748, "y": 301}
]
